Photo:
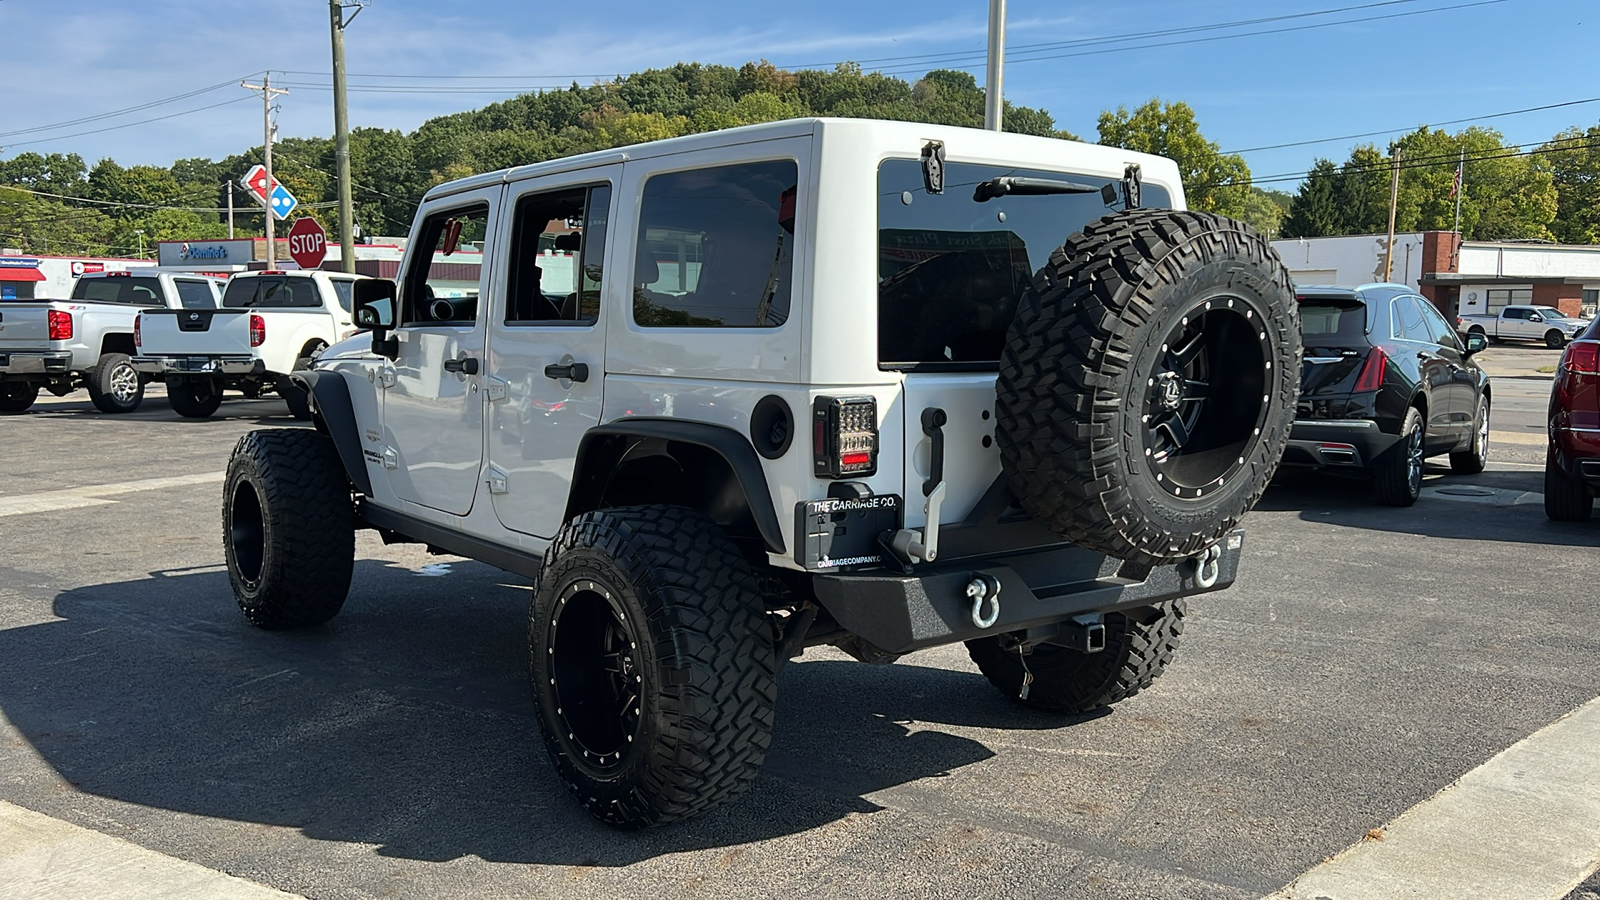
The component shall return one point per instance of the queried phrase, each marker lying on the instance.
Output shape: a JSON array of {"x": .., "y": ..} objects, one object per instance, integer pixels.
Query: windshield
[
  {"x": 1549, "y": 313},
  {"x": 952, "y": 267}
]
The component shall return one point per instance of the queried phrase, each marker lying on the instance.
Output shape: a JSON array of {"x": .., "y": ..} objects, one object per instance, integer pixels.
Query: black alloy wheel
[
  {"x": 1554, "y": 339},
  {"x": 595, "y": 676}
]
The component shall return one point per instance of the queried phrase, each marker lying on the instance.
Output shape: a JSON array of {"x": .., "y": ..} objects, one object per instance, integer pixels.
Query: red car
[{"x": 1572, "y": 468}]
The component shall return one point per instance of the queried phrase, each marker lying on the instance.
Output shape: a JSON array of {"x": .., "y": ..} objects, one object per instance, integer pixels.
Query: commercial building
[{"x": 51, "y": 277}]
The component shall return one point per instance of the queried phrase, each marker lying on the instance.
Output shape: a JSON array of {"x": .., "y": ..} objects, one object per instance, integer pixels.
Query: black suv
[{"x": 1385, "y": 383}]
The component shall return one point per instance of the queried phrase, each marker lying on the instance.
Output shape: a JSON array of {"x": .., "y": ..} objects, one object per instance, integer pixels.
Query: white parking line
[
  {"x": 1523, "y": 826},
  {"x": 95, "y": 494},
  {"x": 47, "y": 859}
]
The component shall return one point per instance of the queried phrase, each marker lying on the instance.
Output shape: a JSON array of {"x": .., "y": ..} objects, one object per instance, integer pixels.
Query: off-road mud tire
[
  {"x": 1397, "y": 473},
  {"x": 288, "y": 528},
  {"x": 1566, "y": 499},
  {"x": 194, "y": 397},
  {"x": 114, "y": 385},
  {"x": 17, "y": 396},
  {"x": 1067, "y": 681},
  {"x": 705, "y": 666},
  {"x": 1076, "y": 378}
]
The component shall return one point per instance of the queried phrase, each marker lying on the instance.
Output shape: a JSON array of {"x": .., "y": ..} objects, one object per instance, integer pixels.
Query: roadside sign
[
  {"x": 283, "y": 202},
  {"x": 308, "y": 243},
  {"x": 255, "y": 181}
]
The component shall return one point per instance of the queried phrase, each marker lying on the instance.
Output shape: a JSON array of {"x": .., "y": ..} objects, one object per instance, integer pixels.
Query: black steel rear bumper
[{"x": 902, "y": 613}]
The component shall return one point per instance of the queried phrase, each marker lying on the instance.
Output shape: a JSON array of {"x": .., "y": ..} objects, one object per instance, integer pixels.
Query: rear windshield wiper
[{"x": 1029, "y": 187}]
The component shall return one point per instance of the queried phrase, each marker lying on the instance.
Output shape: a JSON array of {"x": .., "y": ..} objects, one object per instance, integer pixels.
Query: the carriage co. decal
[{"x": 837, "y": 532}]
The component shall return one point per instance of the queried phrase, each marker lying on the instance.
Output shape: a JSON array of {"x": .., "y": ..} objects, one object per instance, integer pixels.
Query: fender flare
[
  {"x": 335, "y": 415},
  {"x": 603, "y": 446}
]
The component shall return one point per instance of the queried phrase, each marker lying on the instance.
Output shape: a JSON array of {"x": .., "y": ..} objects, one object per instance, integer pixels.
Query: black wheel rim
[
  {"x": 247, "y": 532},
  {"x": 596, "y": 677},
  {"x": 1414, "y": 460},
  {"x": 1207, "y": 397}
]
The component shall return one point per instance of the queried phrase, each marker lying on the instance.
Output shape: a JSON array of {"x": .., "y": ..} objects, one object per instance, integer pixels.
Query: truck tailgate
[
  {"x": 194, "y": 332},
  {"x": 24, "y": 326}
]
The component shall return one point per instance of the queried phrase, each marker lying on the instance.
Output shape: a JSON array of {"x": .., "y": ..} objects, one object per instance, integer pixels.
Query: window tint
[
  {"x": 442, "y": 286},
  {"x": 271, "y": 291},
  {"x": 1326, "y": 322},
  {"x": 1408, "y": 321},
  {"x": 119, "y": 289},
  {"x": 952, "y": 269},
  {"x": 558, "y": 242},
  {"x": 715, "y": 247},
  {"x": 1440, "y": 331},
  {"x": 195, "y": 294},
  {"x": 1516, "y": 314},
  {"x": 342, "y": 288}
]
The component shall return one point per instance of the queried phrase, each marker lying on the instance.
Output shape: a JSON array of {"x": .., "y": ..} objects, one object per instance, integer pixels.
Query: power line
[
  {"x": 62, "y": 137},
  {"x": 1351, "y": 137},
  {"x": 1421, "y": 162},
  {"x": 116, "y": 203},
  {"x": 120, "y": 112}
]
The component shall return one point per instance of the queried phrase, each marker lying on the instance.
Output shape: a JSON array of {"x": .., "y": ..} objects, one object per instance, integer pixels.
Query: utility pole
[
  {"x": 1394, "y": 201},
  {"x": 229, "y": 185},
  {"x": 994, "y": 96},
  {"x": 267, "y": 93},
  {"x": 341, "y": 137}
]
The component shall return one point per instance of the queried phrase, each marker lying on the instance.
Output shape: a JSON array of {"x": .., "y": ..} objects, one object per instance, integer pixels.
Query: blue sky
[{"x": 72, "y": 60}]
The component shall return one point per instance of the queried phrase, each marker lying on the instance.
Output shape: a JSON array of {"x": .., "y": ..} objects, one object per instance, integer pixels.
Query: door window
[
  {"x": 1408, "y": 322},
  {"x": 1441, "y": 331},
  {"x": 341, "y": 292},
  {"x": 558, "y": 242},
  {"x": 441, "y": 279}
]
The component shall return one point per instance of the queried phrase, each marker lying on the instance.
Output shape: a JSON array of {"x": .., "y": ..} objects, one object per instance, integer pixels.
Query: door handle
[
  {"x": 572, "y": 372},
  {"x": 467, "y": 366}
]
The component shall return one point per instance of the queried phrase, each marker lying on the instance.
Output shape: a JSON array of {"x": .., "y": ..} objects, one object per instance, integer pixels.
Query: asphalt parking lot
[{"x": 1367, "y": 658}]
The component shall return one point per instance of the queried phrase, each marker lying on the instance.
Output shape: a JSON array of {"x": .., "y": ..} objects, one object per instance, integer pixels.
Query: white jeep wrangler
[{"x": 878, "y": 385}]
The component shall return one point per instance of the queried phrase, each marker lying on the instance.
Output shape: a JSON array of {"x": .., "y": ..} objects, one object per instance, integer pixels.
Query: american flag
[{"x": 1456, "y": 188}]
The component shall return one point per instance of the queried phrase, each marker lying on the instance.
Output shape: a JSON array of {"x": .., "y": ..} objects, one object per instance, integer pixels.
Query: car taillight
[
  {"x": 1582, "y": 357},
  {"x": 258, "y": 330},
  {"x": 1371, "y": 377},
  {"x": 845, "y": 436},
  {"x": 138, "y": 330},
  {"x": 60, "y": 326}
]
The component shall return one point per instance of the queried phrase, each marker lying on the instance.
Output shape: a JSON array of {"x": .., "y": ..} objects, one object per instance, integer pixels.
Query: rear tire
[
  {"x": 17, "y": 396},
  {"x": 194, "y": 397},
  {"x": 1148, "y": 383},
  {"x": 1472, "y": 460},
  {"x": 298, "y": 401},
  {"x": 653, "y": 664},
  {"x": 114, "y": 385},
  {"x": 1068, "y": 681},
  {"x": 1397, "y": 475},
  {"x": 1565, "y": 499},
  {"x": 288, "y": 528}
]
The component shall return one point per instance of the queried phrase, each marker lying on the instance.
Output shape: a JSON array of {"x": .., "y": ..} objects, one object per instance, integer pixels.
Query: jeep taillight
[
  {"x": 845, "y": 436},
  {"x": 138, "y": 330},
  {"x": 1582, "y": 358},
  {"x": 258, "y": 330},
  {"x": 60, "y": 326},
  {"x": 1371, "y": 377}
]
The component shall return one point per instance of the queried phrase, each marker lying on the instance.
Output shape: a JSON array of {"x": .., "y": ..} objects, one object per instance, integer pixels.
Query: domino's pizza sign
[{"x": 205, "y": 254}]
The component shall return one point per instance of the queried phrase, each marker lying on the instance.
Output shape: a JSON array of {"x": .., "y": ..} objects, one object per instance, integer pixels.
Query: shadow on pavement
[{"x": 406, "y": 723}]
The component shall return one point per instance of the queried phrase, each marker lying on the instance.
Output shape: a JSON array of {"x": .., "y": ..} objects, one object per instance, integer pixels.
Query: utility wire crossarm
[{"x": 267, "y": 92}]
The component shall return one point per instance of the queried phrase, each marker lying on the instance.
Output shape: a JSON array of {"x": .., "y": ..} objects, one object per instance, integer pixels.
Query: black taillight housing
[{"x": 844, "y": 434}]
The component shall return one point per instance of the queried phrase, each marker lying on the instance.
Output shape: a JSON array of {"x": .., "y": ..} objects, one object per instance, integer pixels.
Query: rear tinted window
[
  {"x": 1335, "y": 322},
  {"x": 196, "y": 294},
  {"x": 119, "y": 289},
  {"x": 952, "y": 269},
  {"x": 270, "y": 291}
]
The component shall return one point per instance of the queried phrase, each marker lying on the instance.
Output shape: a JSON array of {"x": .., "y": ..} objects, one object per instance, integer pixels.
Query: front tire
[
  {"x": 114, "y": 385},
  {"x": 17, "y": 396},
  {"x": 1475, "y": 458},
  {"x": 1565, "y": 499},
  {"x": 1554, "y": 339},
  {"x": 288, "y": 528},
  {"x": 653, "y": 664},
  {"x": 1067, "y": 681},
  {"x": 1397, "y": 475},
  {"x": 194, "y": 397}
]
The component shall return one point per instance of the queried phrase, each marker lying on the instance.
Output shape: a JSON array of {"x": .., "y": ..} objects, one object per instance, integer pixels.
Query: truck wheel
[
  {"x": 1148, "y": 383},
  {"x": 1478, "y": 329},
  {"x": 653, "y": 664},
  {"x": 194, "y": 398},
  {"x": 1554, "y": 339},
  {"x": 114, "y": 385},
  {"x": 1066, "y": 680},
  {"x": 293, "y": 395},
  {"x": 1565, "y": 499},
  {"x": 17, "y": 396},
  {"x": 1472, "y": 460},
  {"x": 1397, "y": 474},
  {"x": 288, "y": 528}
]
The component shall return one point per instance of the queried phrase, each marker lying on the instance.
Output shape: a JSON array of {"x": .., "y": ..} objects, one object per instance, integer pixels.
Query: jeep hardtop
[{"x": 876, "y": 385}]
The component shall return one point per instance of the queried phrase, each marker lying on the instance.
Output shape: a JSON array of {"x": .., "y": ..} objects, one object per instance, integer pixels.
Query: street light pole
[
  {"x": 341, "y": 137},
  {"x": 994, "y": 96}
]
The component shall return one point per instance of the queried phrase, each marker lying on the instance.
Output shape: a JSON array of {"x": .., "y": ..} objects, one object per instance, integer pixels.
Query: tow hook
[
  {"x": 1207, "y": 567},
  {"x": 984, "y": 589}
]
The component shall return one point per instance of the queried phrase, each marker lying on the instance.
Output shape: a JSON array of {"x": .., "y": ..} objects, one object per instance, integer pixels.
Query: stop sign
[{"x": 308, "y": 243}]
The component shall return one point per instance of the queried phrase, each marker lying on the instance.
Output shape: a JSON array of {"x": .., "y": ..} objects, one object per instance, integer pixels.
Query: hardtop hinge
[{"x": 497, "y": 388}]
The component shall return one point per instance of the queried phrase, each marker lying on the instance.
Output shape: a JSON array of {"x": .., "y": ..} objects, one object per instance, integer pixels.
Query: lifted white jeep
[{"x": 878, "y": 385}]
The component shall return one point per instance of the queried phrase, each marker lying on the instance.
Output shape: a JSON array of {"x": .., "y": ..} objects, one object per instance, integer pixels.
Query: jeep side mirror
[
  {"x": 374, "y": 302},
  {"x": 1476, "y": 342}
]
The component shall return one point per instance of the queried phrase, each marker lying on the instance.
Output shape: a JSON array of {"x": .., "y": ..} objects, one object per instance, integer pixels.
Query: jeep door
[
  {"x": 546, "y": 361},
  {"x": 433, "y": 411}
]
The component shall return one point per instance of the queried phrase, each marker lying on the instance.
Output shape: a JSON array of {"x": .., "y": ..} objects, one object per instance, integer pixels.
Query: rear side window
[
  {"x": 952, "y": 269},
  {"x": 274, "y": 291},
  {"x": 120, "y": 289},
  {"x": 1333, "y": 322},
  {"x": 715, "y": 247},
  {"x": 1407, "y": 322},
  {"x": 195, "y": 294},
  {"x": 342, "y": 292}
]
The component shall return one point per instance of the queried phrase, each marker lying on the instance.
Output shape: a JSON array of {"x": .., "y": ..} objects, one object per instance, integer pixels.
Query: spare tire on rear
[{"x": 1148, "y": 384}]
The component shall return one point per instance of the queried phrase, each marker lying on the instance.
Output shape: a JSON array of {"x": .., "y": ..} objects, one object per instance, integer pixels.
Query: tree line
[{"x": 57, "y": 204}]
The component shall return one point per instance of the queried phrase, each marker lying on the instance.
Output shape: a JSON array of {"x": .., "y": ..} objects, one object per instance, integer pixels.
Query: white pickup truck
[
  {"x": 270, "y": 324},
  {"x": 1524, "y": 323},
  {"x": 62, "y": 345}
]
